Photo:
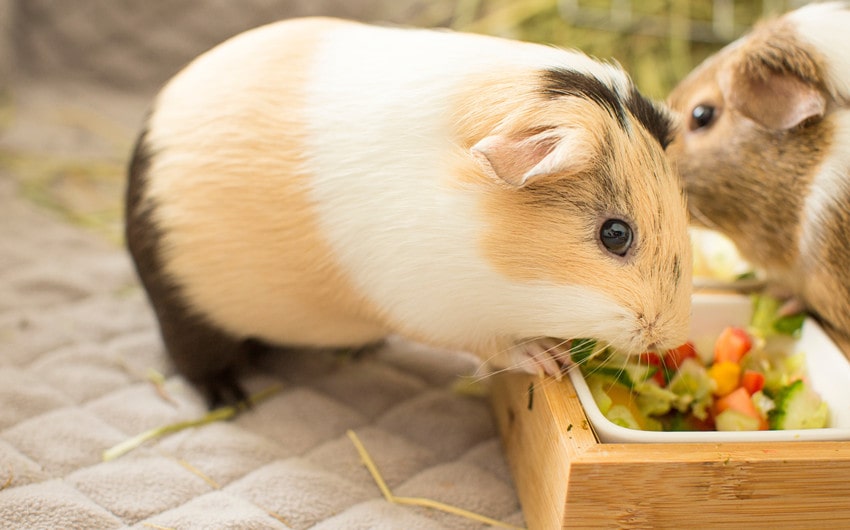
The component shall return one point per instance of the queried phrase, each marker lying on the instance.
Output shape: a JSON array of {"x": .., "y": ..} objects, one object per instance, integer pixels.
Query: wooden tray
[{"x": 566, "y": 478}]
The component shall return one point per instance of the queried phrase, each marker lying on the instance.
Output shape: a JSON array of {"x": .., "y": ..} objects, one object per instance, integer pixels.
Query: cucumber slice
[
  {"x": 797, "y": 406},
  {"x": 733, "y": 420},
  {"x": 627, "y": 373}
]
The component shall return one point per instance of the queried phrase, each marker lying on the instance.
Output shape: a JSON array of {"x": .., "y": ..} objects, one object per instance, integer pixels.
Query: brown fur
[
  {"x": 725, "y": 166},
  {"x": 827, "y": 288},
  {"x": 748, "y": 175}
]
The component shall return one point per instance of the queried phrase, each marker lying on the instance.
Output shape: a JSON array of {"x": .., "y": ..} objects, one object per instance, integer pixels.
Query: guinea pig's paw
[
  {"x": 223, "y": 390},
  {"x": 545, "y": 356},
  {"x": 791, "y": 306}
]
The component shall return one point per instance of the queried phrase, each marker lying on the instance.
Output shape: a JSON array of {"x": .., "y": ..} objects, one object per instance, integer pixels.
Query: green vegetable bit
[
  {"x": 797, "y": 406},
  {"x": 765, "y": 321},
  {"x": 733, "y": 420},
  {"x": 693, "y": 387},
  {"x": 581, "y": 350}
]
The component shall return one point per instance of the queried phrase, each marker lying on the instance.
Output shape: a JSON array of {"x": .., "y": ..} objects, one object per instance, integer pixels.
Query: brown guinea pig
[{"x": 765, "y": 153}]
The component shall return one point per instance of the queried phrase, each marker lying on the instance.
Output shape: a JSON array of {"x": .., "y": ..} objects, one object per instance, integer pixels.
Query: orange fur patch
[
  {"x": 248, "y": 233},
  {"x": 548, "y": 232}
]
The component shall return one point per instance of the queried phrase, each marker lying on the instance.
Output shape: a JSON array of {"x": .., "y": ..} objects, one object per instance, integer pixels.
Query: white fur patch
[
  {"x": 829, "y": 185},
  {"x": 404, "y": 231},
  {"x": 825, "y": 27}
]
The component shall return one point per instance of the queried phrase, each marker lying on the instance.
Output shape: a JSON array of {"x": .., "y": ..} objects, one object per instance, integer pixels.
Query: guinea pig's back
[
  {"x": 229, "y": 178},
  {"x": 292, "y": 170}
]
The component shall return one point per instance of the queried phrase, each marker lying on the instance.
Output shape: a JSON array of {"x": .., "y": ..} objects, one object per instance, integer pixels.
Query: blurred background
[{"x": 76, "y": 77}]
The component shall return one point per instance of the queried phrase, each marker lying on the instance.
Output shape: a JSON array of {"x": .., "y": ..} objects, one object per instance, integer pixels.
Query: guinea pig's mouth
[{"x": 554, "y": 356}]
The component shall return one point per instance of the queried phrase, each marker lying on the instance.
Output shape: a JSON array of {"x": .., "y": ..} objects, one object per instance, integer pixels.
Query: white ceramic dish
[{"x": 828, "y": 369}]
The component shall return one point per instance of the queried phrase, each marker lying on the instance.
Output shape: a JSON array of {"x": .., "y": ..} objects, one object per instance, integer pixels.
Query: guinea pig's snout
[
  {"x": 648, "y": 331},
  {"x": 658, "y": 333}
]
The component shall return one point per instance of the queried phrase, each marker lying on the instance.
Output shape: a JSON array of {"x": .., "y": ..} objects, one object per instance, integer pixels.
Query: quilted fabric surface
[
  {"x": 77, "y": 342},
  {"x": 79, "y": 345}
]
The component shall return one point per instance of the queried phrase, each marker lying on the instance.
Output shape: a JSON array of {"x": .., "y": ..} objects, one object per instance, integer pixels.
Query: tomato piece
[
  {"x": 732, "y": 344},
  {"x": 673, "y": 358},
  {"x": 653, "y": 359},
  {"x": 668, "y": 362},
  {"x": 752, "y": 381},
  {"x": 739, "y": 400},
  {"x": 650, "y": 357}
]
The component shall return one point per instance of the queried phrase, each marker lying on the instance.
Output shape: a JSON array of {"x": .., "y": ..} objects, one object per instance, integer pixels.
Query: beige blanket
[{"x": 77, "y": 345}]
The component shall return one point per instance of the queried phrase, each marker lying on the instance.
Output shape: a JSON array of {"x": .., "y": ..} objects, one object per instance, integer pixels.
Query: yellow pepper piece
[{"x": 726, "y": 376}]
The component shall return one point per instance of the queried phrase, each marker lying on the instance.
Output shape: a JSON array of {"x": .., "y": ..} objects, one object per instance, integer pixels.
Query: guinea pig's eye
[
  {"x": 616, "y": 236},
  {"x": 702, "y": 116}
]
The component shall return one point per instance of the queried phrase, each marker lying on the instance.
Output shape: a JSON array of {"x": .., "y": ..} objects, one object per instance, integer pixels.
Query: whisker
[
  {"x": 491, "y": 373},
  {"x": 561, "y": 350},
  {"x": 528, "y": 362},
  {"x": 503, "y": 350}
]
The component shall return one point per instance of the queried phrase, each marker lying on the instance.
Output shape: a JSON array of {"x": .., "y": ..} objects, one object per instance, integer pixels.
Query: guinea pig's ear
[
  {"x": 776, "y": 97},
  {"x": 523, "y": 158}
]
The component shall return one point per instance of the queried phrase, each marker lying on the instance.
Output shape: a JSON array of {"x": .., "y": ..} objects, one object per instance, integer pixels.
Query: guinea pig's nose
[{"x": 650, "y": 331}]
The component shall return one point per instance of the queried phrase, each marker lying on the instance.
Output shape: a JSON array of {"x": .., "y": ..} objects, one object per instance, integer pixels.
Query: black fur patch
[
  {"x": 204, "y": 354},
  {"x": 677, "y": 271},
  {"x": 562, "y": 82},
  {"x": 657, "y": 122}
]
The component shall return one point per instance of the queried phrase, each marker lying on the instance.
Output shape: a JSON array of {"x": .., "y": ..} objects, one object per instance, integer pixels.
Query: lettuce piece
[
  {"x": 766, "y": 322},
  {"x": 600, "y": 396},
  {"x": 652, "y": 400},
  {"x": 693, "y": 388},
  {"x": 622, "y": 416}
]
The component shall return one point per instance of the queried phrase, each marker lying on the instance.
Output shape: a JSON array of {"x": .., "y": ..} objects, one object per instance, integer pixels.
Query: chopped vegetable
[
  {"x": 597, "y": 390},
  {"x": 653, "y": 359},
  {"x": 581, "y": 350},
  {"x": 694, "y": 388},
  {"x": 653, "y": 400},
  {"x": 739, "y": 401},
  {"x": 762, "y": 403},
  {"x": 790, "y": 325},
  {"x": 753, "y": 382},
  {"x": 726, "y": 376},
  {"x": 765, "y": 309},
  {"x": 673, "y": 359},
  {"x": 622, "y": 416},
  {"x": 784, "y": 372},
  {"x": 669, "y": 362},
  {"x": 624, "y": 370},
  {"x": 732, "y": 344},
  {"x": 766, "y": 323},
  {"x": 732, "y": 420},
  {"x": 797, "y": 406}
]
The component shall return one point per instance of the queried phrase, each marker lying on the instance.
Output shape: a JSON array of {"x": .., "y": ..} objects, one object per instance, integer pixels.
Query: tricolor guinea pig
[
  {"x": 321, "y": 183},
  {"x": 765, "y": 153}
]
